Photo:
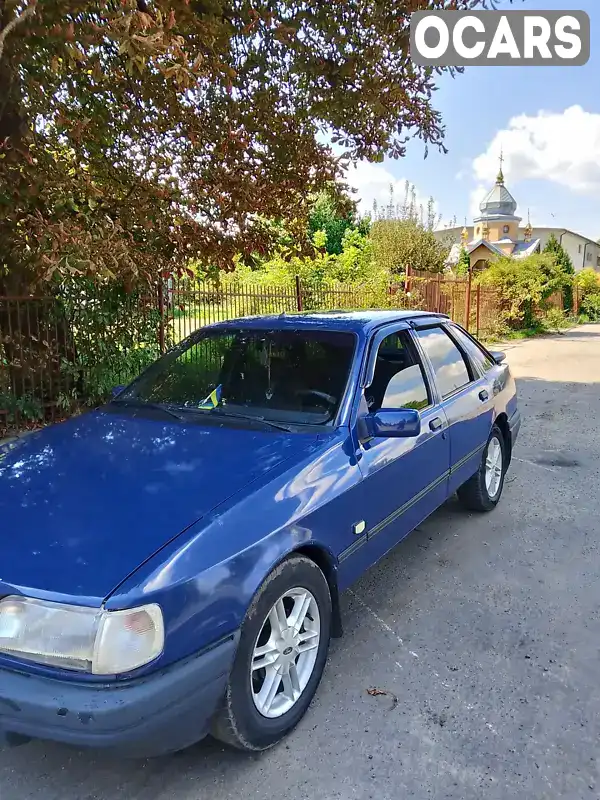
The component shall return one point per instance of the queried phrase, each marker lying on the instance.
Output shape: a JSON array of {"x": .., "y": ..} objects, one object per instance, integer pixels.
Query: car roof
[{"x": 349, "y": 321}]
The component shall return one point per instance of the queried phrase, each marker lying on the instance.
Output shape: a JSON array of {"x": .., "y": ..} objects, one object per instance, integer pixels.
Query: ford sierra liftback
[{"x": 172, "y": 561}]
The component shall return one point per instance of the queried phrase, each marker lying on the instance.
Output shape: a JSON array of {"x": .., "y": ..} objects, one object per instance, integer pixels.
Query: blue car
[{"x": 172, "y": 562}]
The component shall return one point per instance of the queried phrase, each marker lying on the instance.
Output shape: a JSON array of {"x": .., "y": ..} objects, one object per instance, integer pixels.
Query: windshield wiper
[
  {"x": 187, "y": 409},
  {"x": 152, "y": 406},
  {"x": 251, "y": 418}
]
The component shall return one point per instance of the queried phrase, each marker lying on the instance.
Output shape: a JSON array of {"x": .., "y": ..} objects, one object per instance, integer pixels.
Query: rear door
[{"x": 466, "y": 395}]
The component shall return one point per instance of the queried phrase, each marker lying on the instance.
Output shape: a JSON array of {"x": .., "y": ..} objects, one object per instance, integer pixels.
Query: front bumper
[{"x": 157, "y": 714}]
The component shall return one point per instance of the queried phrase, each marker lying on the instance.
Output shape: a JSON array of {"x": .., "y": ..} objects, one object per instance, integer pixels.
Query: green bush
[
  {"x": 320, "y": 272},
  {"x": 588, "y": 286},
  {"x": 114, "y": 335},
  {"x": 525, "y": 285},
  {"x": 590, "y": 306},
  {"x": 26, "y": 407},
  {"x": 588, "y": 282},
  {"x": 497, "y": 329},
  {"x": 556, "y": 320},
  {"x": 464, "y": 262}
]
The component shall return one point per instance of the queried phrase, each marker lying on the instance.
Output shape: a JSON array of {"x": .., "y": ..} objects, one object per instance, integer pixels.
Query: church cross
[{"x": 500, "y": 178}]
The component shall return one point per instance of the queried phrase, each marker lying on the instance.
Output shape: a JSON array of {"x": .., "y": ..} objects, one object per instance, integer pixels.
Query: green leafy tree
[
  {"x": 335, "y": 214},
  {"x": 401, "y": 243},
  {"x": 554, "y": 247},
  {"x": 355, "y": 262},
  {"x": 138, "y": 134},
  {"x": 403, "y": 235},
  {"x": 353, "y": 266}
]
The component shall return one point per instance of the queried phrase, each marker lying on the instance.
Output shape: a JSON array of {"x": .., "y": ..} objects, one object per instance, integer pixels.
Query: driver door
[{"x": 404, "y": 479}]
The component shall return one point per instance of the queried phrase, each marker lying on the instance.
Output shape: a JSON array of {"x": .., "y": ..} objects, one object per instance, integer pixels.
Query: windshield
[{"x": 287, "y": 376}]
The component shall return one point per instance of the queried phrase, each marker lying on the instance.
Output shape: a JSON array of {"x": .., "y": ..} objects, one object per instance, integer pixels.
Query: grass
[
  {"x": 552, "y": 324},
  {"x": 526, "y": 333}
]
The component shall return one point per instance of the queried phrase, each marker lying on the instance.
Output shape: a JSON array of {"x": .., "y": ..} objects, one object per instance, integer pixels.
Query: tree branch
[{"x": 27, "y": 12}]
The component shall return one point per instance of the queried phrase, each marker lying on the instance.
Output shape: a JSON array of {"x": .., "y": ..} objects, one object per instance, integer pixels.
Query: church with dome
[{"x": 496, "y": 231}]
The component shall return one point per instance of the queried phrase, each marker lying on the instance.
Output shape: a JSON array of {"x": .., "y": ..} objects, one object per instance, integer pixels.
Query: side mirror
[
  {"x": 401, "y": 424},
  {"x": 116, "y": 390},
  {"x": 498, "y": 356}
]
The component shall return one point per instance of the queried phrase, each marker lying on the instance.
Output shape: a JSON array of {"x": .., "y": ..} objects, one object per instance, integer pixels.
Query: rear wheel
[
  {"x": 280, "y": 659},
  {"x": 483, "y": 490}
]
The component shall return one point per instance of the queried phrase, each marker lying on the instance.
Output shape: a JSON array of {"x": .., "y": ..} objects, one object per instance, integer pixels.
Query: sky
[{"x": 545, "y": 119}]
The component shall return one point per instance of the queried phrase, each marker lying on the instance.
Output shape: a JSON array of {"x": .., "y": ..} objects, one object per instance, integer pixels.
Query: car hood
[{"x": 84, "y": 503}]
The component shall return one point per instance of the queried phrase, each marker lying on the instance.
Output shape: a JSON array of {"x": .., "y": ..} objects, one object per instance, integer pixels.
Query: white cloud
[
  {"x": 372, "y": 183},
  {"x": 560, "y": 147},
  {"x": 475, "y": 198}
]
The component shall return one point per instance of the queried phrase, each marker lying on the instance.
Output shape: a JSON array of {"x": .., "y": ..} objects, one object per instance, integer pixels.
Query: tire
[
  {"x": 239, "y": 722},
  {"x": 478, "y": 494}
]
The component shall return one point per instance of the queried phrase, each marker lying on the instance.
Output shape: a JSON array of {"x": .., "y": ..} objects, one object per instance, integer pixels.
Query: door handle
[
  {"x": 435, "y": 424},
  {"x": 484, "y": 395}
]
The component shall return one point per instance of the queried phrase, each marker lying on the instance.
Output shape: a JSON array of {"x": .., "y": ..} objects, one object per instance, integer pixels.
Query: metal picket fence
[{"x": 61, "y": 352}]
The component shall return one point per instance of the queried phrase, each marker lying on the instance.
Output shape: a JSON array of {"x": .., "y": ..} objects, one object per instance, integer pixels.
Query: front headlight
[{"x": 86, "y": 639}]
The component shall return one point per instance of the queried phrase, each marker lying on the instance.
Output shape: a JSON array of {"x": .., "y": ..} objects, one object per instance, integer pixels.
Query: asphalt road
[{"x": 485, "y": 628}]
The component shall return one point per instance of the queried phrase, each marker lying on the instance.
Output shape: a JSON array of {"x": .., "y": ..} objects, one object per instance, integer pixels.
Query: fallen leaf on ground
[{"x": 378, "y": 692}]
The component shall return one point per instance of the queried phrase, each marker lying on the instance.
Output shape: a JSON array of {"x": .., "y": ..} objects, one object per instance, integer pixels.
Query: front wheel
[
  {"x": 483, "y": 490},
  {"x": 280, "y": 659}
]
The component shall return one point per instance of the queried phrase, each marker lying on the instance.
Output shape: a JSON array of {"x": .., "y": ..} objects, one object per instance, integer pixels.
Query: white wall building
[{"x": 582, "y": 251}]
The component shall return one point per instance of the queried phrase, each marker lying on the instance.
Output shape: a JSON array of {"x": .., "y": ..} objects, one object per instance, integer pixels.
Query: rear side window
[
  {"x": 451, "y": 371},
  {"x": 472, "y": 349}
]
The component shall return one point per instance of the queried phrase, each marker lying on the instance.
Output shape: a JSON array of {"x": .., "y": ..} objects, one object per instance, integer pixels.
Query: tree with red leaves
[{"x": 135, "y": 134}]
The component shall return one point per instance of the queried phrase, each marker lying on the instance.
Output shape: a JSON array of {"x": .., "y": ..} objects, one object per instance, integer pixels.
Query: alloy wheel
[
  {"x": 493, "y": 467},
  {"x": 285, "y": 652}
]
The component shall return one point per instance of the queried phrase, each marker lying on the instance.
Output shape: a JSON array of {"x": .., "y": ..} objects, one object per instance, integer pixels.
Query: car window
[
  {"x": 398, "y": 379},
  {"x": 451, "y": 371},
  {"x": 287, "y": 375},
  {"x": 472, "y": 349}
]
